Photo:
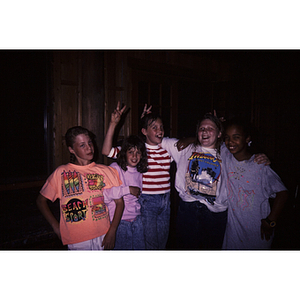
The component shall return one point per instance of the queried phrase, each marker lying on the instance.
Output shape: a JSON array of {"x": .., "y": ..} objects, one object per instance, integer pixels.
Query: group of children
[{"x": 224, "y": 193}]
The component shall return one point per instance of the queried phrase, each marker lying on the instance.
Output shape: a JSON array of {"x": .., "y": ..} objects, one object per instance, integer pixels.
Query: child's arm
[
  {"x": 184, "y": 142},
  {"x": 110, "y": 237},
  {"x": 42, "y": 205},
  {"x": 116, "y": 192},
  {"x": 114, "y": 120},
  {"x": 277, "y": 207}
]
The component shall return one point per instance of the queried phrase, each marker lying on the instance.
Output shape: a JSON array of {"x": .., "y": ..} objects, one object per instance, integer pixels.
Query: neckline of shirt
[
  {"x": 80, "y": 166},
  {"x": 152, "y": 146}
]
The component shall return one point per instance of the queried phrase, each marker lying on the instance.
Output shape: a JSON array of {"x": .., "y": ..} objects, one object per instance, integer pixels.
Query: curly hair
[
  {"x": 133, "y": 141},
  {"x": 218, "y": 123}
]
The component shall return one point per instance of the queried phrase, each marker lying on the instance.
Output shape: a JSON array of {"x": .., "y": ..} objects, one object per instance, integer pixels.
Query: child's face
[
  {"x": 236, "y": 142},
  {"x": 83, "y": 149},
  {"x": 208, "y": 134},
  {"x": 133, "y": 157},
  {"x": 154, "y": 132}
]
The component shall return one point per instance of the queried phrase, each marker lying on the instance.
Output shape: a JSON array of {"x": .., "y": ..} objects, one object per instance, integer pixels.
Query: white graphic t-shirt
[{"x": 198, "y": 176}]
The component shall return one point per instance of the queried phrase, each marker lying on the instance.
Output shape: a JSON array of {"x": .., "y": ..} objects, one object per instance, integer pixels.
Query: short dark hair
[
  {"x": 133, "y": 141},
  {"x": 243, "y": 124},
  {"x": 147, "y": 120},
  {"x": 71, "y": 135},
  {"x": 249, "y": 130}
]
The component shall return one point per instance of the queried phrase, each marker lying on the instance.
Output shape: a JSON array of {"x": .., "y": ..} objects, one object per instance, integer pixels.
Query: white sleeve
[
  {"x": 114, "y": 152},
  {"x": 169, "y": 144}
]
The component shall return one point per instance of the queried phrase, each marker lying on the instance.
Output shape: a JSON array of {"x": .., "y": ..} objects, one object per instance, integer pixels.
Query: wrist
[
  {"x": 112, "y": 228},
  {"x": 270, "y": 222},
  {"x": 113, "y": 124}
]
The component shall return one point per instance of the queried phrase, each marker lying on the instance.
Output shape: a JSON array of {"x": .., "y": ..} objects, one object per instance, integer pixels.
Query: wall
[{"x": 263, "y": 86}]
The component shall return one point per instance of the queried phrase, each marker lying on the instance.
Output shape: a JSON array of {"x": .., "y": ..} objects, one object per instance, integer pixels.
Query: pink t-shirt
[
  {"x": 83, "y": 213},
  {"x": 131, "y": 177}
]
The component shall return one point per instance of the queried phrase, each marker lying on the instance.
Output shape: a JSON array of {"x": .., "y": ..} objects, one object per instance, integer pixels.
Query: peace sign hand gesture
[
  {"x": 117, "y": 113},
  {"x": 146, "y": 111}
]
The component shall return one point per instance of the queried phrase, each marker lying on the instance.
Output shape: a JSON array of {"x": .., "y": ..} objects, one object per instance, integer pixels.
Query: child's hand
[
  {"x": 109, "y": 239},
  {"x": 146, "y": 111},
  {"x": 183, "y": 143},
  {"x": 135, "y": 191},
  {"x": 117, "y": 113},
  {"x": 222, "y": 119},
  {"x": 261, "y": 158},
  {"x": 266, "y": 230}
]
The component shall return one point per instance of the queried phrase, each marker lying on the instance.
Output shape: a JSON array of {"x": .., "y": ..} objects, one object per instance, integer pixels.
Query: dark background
[{"x": 25, "y": 79}]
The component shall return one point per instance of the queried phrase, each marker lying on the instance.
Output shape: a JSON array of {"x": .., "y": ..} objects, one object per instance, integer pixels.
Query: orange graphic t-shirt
[{"x": 83, "y": 213}]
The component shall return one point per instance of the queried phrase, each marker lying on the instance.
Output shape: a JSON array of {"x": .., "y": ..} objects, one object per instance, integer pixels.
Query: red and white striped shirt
[{"x": 157, "y": 179}]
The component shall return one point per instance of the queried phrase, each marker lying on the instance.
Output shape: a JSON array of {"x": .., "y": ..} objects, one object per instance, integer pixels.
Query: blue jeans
[
  {"x": 130, "y": 235},
  {"x": 199, "y": 228},
  {"x": 155, "y": 213}
]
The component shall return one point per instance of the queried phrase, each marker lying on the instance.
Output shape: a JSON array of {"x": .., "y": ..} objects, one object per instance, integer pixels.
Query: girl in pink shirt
[{"x": 131, "y": 163}]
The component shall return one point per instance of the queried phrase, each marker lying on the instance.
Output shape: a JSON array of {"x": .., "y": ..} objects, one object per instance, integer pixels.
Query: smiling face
[
  {"x": 83, "y": 149},
  {"x": 236, "y": 142},
  {"x": 208, "y": 134},
  {"x": 133, "y": 157},
  {"x": 154, "y": 132}
]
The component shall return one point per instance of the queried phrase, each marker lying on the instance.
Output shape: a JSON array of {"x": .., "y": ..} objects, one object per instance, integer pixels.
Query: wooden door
[
  {"x": 160, "y": 91},
  {"x": 67, "y": 100}
]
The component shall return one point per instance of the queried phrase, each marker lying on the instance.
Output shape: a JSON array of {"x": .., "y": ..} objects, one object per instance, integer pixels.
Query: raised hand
[
  {"x": 146, "y": 110},
  {"x": 117, "y": 113},
  {"x": 222, "y": 119}
]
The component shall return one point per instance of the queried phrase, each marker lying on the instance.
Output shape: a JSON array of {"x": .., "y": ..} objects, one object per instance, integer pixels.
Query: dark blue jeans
[
  {"x": 199, "y": 228},
  {"x": 130, "y": 235},
  {"x": 155, "y": 213}
]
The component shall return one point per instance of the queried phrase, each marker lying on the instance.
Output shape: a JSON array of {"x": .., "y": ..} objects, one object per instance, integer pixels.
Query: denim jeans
[
  {"x": 155, "y": 213},
  {"x": 130, "y": 235},
  {"x": 199, "y": 228}
]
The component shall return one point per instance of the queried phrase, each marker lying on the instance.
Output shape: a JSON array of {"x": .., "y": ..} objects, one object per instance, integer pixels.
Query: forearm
[
  {"x": 109, "y": 239},
  {"x": 118, "y": 214},
  {"x": 278, "y": 205},
  {"x": 107, "y": 144},
  {"x": 42, "y": 205}
]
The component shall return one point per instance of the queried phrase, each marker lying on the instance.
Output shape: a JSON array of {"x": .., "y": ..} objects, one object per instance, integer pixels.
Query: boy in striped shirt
[{"x": 155, "y": 197}]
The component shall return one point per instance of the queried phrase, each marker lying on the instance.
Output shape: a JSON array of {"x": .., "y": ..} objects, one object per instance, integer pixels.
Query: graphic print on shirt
[
  {"x": 202, "y": 176},
  {"x": 71, "y": 183},
  {"x": 98, "y": 207},
  {"x": 95, "y": 181},
  {"x": 245, "y": 197},
  {"x": 75, "y": 210}
]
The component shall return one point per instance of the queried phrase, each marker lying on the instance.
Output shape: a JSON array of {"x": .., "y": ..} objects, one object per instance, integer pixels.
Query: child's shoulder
[
  {"x": 62, "y": 167},
  {"x": 108, "y": 171},
  {"x": 115, "y": 166},
  {"x": 103, "y": 167}
]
